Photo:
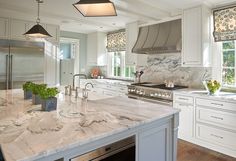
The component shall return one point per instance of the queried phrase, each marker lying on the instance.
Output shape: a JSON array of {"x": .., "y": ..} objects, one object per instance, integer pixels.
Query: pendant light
[
  {"x": 37, "y": 31},
  {"x": 95, "y": 8}
]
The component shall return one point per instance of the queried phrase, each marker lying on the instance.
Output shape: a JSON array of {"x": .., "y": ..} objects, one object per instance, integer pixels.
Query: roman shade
[
  {"x": 225, "y": 24},
  {"x": 116, "y": 41}
]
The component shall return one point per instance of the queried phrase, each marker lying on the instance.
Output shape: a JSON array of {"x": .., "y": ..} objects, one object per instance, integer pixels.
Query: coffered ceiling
[{"x": 63, "y": 13}]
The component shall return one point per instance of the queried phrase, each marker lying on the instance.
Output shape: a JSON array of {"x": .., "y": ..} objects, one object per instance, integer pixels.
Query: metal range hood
[{"x": 159, "y": 38}]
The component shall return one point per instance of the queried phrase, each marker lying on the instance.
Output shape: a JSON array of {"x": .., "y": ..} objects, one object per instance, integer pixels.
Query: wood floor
[{"x": 191, "y": 152}]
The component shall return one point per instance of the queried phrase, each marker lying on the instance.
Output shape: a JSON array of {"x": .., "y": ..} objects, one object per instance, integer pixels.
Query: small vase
[
  {"x": 27, "y": 94},
  {"x": 36, "y": 100},
  {"x": 49, "y": 104}
]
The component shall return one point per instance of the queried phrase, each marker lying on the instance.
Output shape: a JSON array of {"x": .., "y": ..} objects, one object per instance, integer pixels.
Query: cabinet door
[
  {"x": 92, "y": 49},
  {"x": 4, "y": 28},
  {"x": 185, "y": 120},
  {"x": 17, "y": 29},
  {"x": 131, "y": 58},
  {"x": 67, "y": 71},
  {"x": 53, "y": 30},
  {"x": 154, "y": 144},
  {"x": 51, "y": 64},
  {"x": 192, "y": 39},
  {"x": 101, "y": 47},
  {"x": 131, "y": 38}
]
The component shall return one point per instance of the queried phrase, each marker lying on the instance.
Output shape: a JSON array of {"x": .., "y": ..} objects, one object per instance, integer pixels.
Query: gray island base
[{"x": 77, "y": 127}]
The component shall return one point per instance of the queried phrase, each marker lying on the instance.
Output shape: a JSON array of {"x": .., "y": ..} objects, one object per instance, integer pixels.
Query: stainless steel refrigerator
[{"x": 20, "y": 61}]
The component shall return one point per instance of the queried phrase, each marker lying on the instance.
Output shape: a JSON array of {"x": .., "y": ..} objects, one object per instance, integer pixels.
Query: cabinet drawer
[
  {"x": 183, "y": 99},
  {"x": 218, "y": 118},
  {"x": 216, "y": 104},
  {"x": 216, "y": 136}
]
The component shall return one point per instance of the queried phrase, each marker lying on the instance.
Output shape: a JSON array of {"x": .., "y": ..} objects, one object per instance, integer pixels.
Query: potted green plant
[
  {"x": 36, "y": 88},
  {"x": 48, "y": 99},
  {"x": 27, "y": 87}
]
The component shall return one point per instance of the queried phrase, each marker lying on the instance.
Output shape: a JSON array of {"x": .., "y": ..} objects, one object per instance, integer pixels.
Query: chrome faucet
[
  {"x": 85, "y": 91},
  {"x": 77, "y": 75}
]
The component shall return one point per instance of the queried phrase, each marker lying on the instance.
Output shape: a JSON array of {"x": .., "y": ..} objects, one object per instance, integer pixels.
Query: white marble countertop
[
  {"x": 109, "y": 81},
  {"x": 26, "y": 133},
  {"x": 226, "y": 96}
]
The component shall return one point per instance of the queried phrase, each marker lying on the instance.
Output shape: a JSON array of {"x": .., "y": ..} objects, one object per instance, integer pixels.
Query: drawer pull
[
  {"x": 218, "y": 118},
  {"x": 183, "y": 105},
  {"x": 217, "y": 104},
  {"x": 183, "y": 98},
  {"x": 217, "y": 136}
]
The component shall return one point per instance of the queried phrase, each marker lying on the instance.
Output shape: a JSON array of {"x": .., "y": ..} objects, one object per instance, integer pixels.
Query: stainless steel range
[{"x": 151, "y": 92}]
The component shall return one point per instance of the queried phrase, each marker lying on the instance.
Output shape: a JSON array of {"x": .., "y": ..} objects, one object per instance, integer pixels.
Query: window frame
[
  {"x": 123, "y": 66},
  {"x": 217, "y": 64},
  {"x": 222, "y": 64}
]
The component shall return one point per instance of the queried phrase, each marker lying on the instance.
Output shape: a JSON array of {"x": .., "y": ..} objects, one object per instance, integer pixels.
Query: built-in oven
[{"x": 123, "y": 150}]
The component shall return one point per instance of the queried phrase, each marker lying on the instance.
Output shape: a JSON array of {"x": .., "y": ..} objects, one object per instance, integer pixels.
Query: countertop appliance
[
  {"x": 20, "y": 61},
  {"x": 158, "y": 93},
  {"x": 123, "y": 150}
]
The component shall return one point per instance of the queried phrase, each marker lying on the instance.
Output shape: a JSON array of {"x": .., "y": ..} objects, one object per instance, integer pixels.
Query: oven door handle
[
  {"x": 157, "y": 101},
  {"x": 170, "y": 103},
  {"x": 108, "y": 154}
]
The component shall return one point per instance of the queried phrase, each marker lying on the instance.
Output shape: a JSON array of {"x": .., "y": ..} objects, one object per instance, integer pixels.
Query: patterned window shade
[
  {"x": 116, "y": 41},
  {"x": 225, "y": 24}
]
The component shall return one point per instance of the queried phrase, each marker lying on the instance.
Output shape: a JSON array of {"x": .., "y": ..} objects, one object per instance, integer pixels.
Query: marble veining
[
  {"x": 28, "y": 134},
  {"x": 161, "y": 67},
  {"x": 223, "y": 96}
]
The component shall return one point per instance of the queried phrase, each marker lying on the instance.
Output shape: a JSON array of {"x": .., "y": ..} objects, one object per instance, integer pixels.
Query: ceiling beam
[
  {"x": 135, "y": 14},
  {"x": 50, "y": 15}
]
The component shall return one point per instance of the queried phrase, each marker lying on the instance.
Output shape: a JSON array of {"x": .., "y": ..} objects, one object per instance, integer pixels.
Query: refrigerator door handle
[
  {"x": 11, "y": 65},
  {"x": 7, "y": 71}
]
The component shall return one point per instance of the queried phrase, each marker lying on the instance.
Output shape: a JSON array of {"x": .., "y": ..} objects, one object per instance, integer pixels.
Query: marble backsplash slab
[{"x": 161, "y": 67}]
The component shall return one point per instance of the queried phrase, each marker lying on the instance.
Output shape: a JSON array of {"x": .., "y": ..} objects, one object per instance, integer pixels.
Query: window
[
  {"x": 116, "y": 44},
  {"x": 228, "y": 63},
  {"x": 117, "y": 65},
  {"x": 68, "y": 48},
  {"x": 65, "y": 50}
]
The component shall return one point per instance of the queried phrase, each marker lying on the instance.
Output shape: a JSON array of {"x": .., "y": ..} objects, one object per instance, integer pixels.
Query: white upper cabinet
[
  {"x": 4, "y": 23},
  {"x": 196, "y": 37},
  {"x": 96, "y": 49},
  {"x": 17, "y": 29},
  {"x": 131, "y": 37},
  {"x": 14, "y": 29},
  {"x": 131, "y": 58},
  {"x": 54, "y": 31}
]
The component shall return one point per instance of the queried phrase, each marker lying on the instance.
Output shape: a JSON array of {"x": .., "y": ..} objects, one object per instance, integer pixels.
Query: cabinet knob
[{"x": 183, "y": 62}]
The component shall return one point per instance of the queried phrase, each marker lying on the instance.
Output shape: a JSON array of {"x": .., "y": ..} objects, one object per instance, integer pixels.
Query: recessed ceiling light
[
  {"x": 101, "y": 27},
  {"x": 114, "y": 24}
]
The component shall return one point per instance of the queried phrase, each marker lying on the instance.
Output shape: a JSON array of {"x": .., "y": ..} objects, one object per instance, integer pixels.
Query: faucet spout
[
  {"x": 86, "y": 85},
  {"x": 78, "y": 75},
  {"x": 85, "y": 91}
]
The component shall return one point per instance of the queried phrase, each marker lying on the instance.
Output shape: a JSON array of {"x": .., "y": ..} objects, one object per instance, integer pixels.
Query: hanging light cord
[{"x": 38, "y": 19}]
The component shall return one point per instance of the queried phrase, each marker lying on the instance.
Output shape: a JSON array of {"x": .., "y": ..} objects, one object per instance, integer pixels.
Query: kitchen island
[{"x": 77, "y": 127}]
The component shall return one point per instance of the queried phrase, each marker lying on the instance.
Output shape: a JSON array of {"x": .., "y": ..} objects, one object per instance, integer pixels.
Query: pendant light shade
[
  {"x": 95, "y": 8},
  {"x": 37, "y": 31}
]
